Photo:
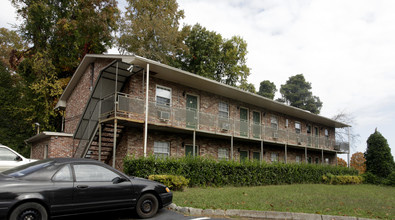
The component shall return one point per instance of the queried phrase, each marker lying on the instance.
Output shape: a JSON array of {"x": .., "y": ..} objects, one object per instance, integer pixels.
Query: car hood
[{"x": 145, "y": 181}]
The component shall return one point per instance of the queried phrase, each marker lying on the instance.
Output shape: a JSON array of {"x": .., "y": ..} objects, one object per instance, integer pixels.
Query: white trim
[{"x": 163, "y": 88}]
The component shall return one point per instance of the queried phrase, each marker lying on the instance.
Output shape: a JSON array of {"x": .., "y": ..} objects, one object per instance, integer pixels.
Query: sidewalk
[{"x": 257, "y": 214}]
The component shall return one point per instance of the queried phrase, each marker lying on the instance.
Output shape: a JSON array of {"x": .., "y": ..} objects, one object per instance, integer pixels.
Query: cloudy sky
[{"x": 346, "y": 49}]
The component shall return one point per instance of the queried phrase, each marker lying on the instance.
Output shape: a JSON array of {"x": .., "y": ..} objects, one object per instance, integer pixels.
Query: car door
[{"x": 94, "y": 189}]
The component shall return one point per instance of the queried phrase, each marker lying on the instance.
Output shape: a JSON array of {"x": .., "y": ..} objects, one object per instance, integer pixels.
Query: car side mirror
[
  {"x": 118, "y": 179},
  {"x": 18, "y": 158}
]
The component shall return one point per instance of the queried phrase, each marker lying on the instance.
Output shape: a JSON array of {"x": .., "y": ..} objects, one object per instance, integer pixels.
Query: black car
[{"x": 66, "y": 186}]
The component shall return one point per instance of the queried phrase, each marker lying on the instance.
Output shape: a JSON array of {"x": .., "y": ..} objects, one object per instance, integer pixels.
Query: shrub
[
  {"x": 176, "y": 183},
  {"x": 341, "y": 180},
  {"x": 202, "y": 171},
  {"x": 390, "y": 181}
]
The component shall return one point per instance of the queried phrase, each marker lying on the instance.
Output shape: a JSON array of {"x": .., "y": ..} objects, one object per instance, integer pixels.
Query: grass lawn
[{"x": 367, "y": 201}]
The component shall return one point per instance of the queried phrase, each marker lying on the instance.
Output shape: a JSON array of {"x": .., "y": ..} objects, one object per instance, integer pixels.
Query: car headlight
[{"x": 167, "y": 189}]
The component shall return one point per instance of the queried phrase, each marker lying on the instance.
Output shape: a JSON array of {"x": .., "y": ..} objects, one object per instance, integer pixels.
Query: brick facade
[{"x": 210, "y": 136}]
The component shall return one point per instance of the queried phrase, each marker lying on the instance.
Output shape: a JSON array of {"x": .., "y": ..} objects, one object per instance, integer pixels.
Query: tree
[
  {"x": 59, "y": 34},
  {"x": 15, "y": 123},
  {"x": 67, "y": 30},
  {"x": 10, "y": 42},
  {"x": 150, "y": 29},
  {"x": 346, "y": 134},
  {"x": 249, "y": 87},
  {"x": 211, "y": 56},
  {"x": 379, "y": 160},
  {"x": 296, "y": 92},
  {"x": 358, "y": 162},
  {"x": 267, "y": 89},
  {"x": 341, "y": 162}
]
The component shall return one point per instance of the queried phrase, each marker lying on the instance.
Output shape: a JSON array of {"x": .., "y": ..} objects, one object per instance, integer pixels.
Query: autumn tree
[
  {"x": 379, "y": 160},
  {"x": 59, "y": 34},
  {"x": 151, "y": 29},
  {"x": 341, "y": 162},
  {"x": 358, "y": 162},
  {"x": 10, "y": 42},
  {"x": 267, "y": 89},
  {"x": 297, "y": 92},
  {"x": 210, "y": 55}
]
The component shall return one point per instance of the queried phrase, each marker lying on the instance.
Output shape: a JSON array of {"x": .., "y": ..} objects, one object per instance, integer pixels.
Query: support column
[
  {"x": 194, "y": 143},
  {"x": 100, "y": 128},
  {"x": 231, "y": 148},
  {"x": 322, "y": 160},
  {"x": 114, "y": 150},
  {"x": 146, "y": 113},
  {"x": 349, "y": 145}
]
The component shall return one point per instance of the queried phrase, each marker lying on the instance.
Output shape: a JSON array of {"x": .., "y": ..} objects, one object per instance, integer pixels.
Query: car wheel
[
  {"x": 147, "y": 206},
  {"x": 29, "y": 211}
]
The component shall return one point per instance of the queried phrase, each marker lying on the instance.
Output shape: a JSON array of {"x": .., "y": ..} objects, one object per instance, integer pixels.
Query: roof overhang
[
  {"x": 178, "y": 76},
  {"x": 47, "y": 134}
]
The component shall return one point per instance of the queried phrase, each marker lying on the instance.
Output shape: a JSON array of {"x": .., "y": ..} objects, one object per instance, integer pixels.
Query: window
[
  {"x": 163, "y": 96},
  {"x": 317, "y": 161},
  {"x": 297, "y": 127},
  {"x": 309, "y": 160},
  {"x": 223, "y": 110},
  {"x": 274, "y": 157},
  {"x": 326, "y": 133},
  {"x": 274, "y": 122},
  {"x": 297, "y": 159},
  {"x": 161, "y": 149},
  {"x": 223, "y": 154},
  {"x": 63, "y": 175},
  {"x": 93, "y": 173},
  {"x": 7, "y": 155}
]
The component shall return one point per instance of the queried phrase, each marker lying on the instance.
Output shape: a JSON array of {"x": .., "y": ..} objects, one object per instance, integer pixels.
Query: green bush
[
  {"x": 176, "y": 183},
  {"x": 390, "y": 181},
  {"x": 341, "y": 180},
  {"x": 201, "y": 171}
]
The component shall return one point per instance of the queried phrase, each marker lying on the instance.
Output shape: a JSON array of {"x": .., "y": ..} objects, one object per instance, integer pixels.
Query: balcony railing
[{"x": 133, "y": 108}]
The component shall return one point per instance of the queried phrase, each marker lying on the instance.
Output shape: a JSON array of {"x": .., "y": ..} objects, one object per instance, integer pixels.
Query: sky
[{"x": 345, "y": 49}]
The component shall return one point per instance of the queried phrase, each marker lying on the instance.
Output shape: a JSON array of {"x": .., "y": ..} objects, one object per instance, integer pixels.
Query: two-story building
[{"x": 119, "y": 105}]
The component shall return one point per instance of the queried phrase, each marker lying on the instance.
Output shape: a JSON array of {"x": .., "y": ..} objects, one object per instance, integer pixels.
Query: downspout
[{"x": 146, "y": 113}]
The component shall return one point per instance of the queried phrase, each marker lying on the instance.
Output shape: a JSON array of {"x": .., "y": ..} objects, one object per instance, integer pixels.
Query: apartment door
[
  {"x": 316, "y": 133},
  {"x": 243, "y": 156},
  {"x": 189, "y": 150},
  {"x": 256, "y": 126},
  {"x": 191, "y": 111},
  {"x": 243, "y": 122}
]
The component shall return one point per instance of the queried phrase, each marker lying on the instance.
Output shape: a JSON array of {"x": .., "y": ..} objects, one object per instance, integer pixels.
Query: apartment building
[{"x": 119, "y": 105}]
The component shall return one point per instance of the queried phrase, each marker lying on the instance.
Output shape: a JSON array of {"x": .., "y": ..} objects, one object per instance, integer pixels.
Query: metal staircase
[{"x": 102, "y": 104}]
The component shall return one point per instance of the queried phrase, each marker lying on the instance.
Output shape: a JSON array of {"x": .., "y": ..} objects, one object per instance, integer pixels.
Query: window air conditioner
[
  {"x": 225, "y": 126},
  {"x": 275, "y": 135},
  {"x": 164, "y": 116}
]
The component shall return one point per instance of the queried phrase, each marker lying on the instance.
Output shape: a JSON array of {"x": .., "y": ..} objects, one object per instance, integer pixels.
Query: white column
[{"x": 146, "y": 113}]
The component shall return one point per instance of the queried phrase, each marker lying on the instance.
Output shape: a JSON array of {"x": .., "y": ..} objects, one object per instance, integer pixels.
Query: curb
[{"x": 257, "y": 214}]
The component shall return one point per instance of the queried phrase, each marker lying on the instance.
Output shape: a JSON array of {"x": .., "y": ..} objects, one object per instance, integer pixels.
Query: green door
[
  {"x": 189, "y": 150},
  {"x": 243, "y": 122},
  {"x": 191, "y": 111},
  {"x": 256, "y": 126},
  {"x": 256, "y": 156},
  {"x": 316, "y": 131},
  {"x": 243, "y": 156}
]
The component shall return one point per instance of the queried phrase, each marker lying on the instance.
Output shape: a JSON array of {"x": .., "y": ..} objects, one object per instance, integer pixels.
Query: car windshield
[{"x": 27, "y": 169}]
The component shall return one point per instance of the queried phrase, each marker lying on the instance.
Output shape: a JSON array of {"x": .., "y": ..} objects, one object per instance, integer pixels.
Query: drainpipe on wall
[{"x": 146, "y": 114}]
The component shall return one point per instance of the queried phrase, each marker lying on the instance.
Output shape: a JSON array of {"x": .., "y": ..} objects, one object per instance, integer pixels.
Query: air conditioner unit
[
  {"x": 275, "y": 135},
  {"x": 225, "y": 126},
  {"x": 299, "y": 140},
  {"x": 164, "y": 115}
]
